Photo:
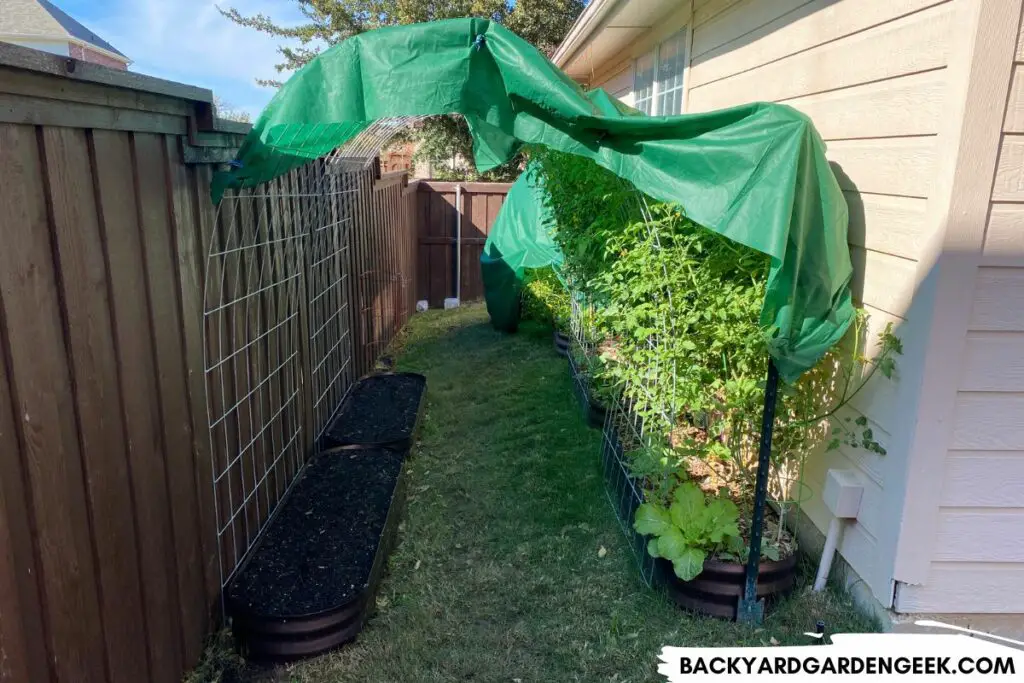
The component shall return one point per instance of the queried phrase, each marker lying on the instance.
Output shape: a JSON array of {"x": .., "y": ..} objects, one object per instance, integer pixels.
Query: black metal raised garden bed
[
  {"x": 561, "y": 342},
  {"x": 716, "y": 591},
  {"x": 594, "y": 412},
  {"x": 310, "y": 583},
  {"x": 380, "y": 410}
]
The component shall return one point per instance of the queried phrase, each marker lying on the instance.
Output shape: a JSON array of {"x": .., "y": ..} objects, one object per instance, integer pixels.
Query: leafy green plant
[
  {"x": 676, "y": 319},
  {"x": 545, "y": 299},
  {"x": 689, "y": 530}
]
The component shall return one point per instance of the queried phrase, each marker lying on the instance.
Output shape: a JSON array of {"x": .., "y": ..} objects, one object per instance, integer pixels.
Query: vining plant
[{"x": 676, "y": 331}]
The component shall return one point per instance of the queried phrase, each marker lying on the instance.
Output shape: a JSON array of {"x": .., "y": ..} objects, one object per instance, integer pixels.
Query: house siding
[
  {"x": 620, "y": 84},
  {"x": 977, "y": 563}
]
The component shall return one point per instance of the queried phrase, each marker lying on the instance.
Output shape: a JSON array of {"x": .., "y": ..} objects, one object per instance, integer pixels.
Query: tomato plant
[{"x": 675, "y": 320}]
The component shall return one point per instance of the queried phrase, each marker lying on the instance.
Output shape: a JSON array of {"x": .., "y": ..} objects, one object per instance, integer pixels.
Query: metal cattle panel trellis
[
  {"x": 279, "y": 305},
  {"x": 254, "y": 356},
  {"x": 329, "y": 287}
]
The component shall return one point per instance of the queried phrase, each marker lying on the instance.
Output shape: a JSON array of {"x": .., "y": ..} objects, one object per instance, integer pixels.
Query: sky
[{"x": 190, "y": 42}]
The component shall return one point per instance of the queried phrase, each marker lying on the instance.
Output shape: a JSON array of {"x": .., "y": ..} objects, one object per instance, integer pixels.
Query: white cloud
[{"x": 191, "y": 42}]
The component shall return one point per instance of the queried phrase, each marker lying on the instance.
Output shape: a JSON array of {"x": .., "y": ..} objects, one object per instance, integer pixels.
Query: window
[
  {"x": 671, "y": 55},
  {"x": 658, "y": 78},
  {"x": 643, "y": 84}
]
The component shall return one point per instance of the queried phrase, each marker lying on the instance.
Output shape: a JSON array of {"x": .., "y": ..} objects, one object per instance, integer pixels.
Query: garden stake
[{"x": 750, "y": 609}]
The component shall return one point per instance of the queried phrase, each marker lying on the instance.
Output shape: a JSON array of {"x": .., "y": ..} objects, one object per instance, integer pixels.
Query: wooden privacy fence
[
  {"x": 441, "y": 214},
  {"x": 109, "y": 520}
]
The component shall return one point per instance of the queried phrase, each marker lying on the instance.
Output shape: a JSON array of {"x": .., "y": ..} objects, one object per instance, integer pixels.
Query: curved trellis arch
[{"x": 278, "y": 338}]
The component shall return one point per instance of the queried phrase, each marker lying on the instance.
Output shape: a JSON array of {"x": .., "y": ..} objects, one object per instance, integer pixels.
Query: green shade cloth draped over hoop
[
  {"x": 756, "y": 174},
  {"x": 519, "y": 239}
]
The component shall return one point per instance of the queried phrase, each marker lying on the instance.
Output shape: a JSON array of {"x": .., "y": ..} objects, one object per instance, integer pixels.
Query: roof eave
[{"x": 581, "y": 30}]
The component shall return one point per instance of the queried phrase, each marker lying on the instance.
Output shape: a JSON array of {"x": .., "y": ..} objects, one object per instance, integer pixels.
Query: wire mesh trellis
[
  {"x": 279, "y": 304},
  {"x": 329, "y": 282},
  {"x": 253, "y": 306},
  {"x": 645, "y": 415}
]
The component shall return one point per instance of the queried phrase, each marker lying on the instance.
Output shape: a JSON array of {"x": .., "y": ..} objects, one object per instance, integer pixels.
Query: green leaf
[
  {"x": 687, "y": 510},
  {"x": 861, "y": 421},
  {"x": 720, "y": 519},
  {"x": 689, "y": 564},
  {"x": 771, "y": 551},
  {"x": 671, "y": 545},
  {"x": 651, "y": 520},
  {"x": 652, "y": 547}
]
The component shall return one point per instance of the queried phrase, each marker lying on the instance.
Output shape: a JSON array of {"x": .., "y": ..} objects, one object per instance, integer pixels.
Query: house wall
[
  {"x": 620, "y": 84},
  {"x": 87, "y": 54},
  {"x": 57, "y": 47},
  {"x": 873, "y": 78},
  {"x": 975, "y": 561}
]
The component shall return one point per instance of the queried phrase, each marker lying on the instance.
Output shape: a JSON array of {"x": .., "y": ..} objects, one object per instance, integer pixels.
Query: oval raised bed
[
  {"x": 561, "y": 342},
  {"x": 381, "y": 410},
  {"x": 310, "y": 583},
  {"x": 717, "y": 589},
  {"x": 593, "y": 410}
]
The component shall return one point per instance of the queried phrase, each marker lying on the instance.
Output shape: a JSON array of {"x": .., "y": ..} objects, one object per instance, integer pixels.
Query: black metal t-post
[{"x": 750, "y": 609}]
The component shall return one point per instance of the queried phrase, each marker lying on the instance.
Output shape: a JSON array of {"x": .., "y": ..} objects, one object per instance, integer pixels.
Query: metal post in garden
[{"x": 751, "y": 610}]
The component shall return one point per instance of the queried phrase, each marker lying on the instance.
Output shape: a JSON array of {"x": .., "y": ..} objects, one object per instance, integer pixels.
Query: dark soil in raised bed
[
  {"x": 380, "y": 409},
  {"x": 318, "y": 552}
]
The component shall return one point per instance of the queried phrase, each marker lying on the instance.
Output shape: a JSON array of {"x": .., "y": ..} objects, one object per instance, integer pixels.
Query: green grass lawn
[{"x": 511, "y": 565}]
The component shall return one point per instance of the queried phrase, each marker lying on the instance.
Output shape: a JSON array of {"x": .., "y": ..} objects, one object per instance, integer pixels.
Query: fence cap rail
[
  {"x": 51, "y": 65},
  {"x": 449, "y": 186}
]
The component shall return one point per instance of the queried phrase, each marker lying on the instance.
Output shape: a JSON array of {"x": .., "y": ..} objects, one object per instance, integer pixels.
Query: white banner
[{"x": 853, "y": 657}]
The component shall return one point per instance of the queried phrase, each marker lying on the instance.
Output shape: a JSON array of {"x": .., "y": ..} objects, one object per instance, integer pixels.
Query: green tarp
[
  {"x": 756, "y": 174},
  {"x": 519, "y": 239}
]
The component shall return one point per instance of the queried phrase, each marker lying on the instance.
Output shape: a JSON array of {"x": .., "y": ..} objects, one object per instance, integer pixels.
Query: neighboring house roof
[{"x": 42, "y": 19}]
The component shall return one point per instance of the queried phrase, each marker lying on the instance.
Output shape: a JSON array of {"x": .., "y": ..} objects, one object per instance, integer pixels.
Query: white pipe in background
[
  {"x": 458, "y": 243},
  {"x": 453, "y": 302}
]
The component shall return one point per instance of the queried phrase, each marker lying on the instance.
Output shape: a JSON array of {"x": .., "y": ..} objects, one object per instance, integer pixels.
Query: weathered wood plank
[
  {"x": 166, "y": 324},
  {"x": 21, "y": 628},
  {"x": 45, "y": 63},
  {"x": 37, "y": 112},
  {"x": 115, "y": 184},
  {"x": 83, "y": 275},
  {"x": 187, "y": 218},
  {"x": 41, "y": 381}
]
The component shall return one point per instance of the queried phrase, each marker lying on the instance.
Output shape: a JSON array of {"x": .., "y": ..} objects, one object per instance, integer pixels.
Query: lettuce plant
[{"x": 689, "y": 530}]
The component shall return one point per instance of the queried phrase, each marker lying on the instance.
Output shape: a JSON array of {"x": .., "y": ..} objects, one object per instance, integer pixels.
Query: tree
[
  {"x": 542, "y": 22},
  {"x": 227, "y": 111}
]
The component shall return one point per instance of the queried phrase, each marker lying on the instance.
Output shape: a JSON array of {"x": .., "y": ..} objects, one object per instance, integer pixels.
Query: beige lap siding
[
  {"x": 620, "y": 84},
  {"x": 872, "y": 77},
  {"x": 978, "y": 559}
]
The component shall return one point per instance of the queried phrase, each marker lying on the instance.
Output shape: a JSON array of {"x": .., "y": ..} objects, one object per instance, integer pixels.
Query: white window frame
[{"x": 655, "y": 54}]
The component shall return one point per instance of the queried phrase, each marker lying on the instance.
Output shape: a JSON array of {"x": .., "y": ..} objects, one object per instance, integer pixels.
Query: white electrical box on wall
[{"x": 843, "y": 492}]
